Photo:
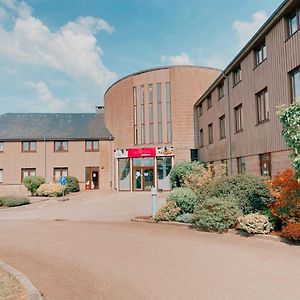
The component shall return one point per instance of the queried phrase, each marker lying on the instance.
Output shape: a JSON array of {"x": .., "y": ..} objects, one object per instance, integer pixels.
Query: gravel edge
[{"x": 32, "y": 292}]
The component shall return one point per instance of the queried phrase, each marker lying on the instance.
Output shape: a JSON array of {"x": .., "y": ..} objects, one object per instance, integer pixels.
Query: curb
[
  {"x": 32, "y": 292},
  {"x": 230, "y": 231}
]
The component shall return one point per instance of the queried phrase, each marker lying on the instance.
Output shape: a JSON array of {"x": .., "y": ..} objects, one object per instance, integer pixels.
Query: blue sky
[{"x": 61, "y": 55}]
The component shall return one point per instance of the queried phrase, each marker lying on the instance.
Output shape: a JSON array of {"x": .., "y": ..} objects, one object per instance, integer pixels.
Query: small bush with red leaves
[{"x": 292, "y": 231}]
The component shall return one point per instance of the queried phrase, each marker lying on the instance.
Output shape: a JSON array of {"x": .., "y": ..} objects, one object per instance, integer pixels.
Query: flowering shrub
[
  {"x": 255, "y": 223},
  {"x": 168, "y": 212},
  {"x": 292, "y": 231},
  {"x": 50, "y": 190},
  {"x": 216, "y": 214},
  {"x": 185, "y": 198},
  {"x": 286, "y": 190}
]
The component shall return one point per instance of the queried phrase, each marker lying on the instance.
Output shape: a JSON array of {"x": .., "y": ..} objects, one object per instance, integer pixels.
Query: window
[
  {"x": 91, "y": 146},
  {"x": 294, "y": 22},
  {"x": 221, "y": 90},
  {"x": 27, "y": 172},
  {"x": 209, "y": 102},
  {"x": 265, "y": 164},
  {"x": 236, "y": 76},
  {"x": 238, "y": 118},
  {"x": 1, "y": 146},
  {"x": 210, "y": 134},
  {"x": 194, "y": 154},
  {"x": 151, "y": 127},
  {"x": 222, "y": 127},
  {"x": 295, "y": 76},
  {"x": 200, "y": 110},
  {"x": 224, "y": 165},
  {"x": 241, "y": 165},
  {"x": 159, "y": 112},
  {"x": 168, "y": 100},
  {"x": 260, "y": 54},
  {"x": 60, "y": 146},
  {"x": 136, "y": 139},
  {"x": 201, "y": 138},
  {"x": 143, "y": 114},
  {"x": 28, "y": 146},
  {"x": 1, "y": 175},
  {"x": 59, "y": 172},
  {"x": 263, "y": 107}
]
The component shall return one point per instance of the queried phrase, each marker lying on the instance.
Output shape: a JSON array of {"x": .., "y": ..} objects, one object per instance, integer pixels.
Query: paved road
[
  {"x": 112, "y": 260},
  {"x": 79, "y": 259}
]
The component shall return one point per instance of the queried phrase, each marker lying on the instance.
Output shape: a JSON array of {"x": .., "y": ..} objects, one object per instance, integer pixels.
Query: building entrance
[
  {"x": 92, "y": 178},
  {"x": 143, "y": 178}
]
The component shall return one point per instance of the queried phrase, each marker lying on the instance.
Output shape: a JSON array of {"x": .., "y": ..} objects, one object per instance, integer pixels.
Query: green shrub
[
  {"x": 251, "y": 192},
  {"x": 185, "y": 198},
  {"x": 216, "y": 214},
  {"x": 181, "y": 169},
  {"x": 255, "y": 223},
  {"x": 11, "y": 201},
  {"x": 168, "y": 212},
  {"x": 274, "y": 220},
  {"x": 32, "y": 183},
  {"x": 72, "y": 184},
  {"x": 51, "y": 190},
  {"x": 185, "y": 218}
]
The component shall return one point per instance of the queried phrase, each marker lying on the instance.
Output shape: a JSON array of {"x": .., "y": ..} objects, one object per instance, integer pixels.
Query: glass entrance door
[
  {"x": 137, "y": 179},
  {"x": 148, "y": 179}
]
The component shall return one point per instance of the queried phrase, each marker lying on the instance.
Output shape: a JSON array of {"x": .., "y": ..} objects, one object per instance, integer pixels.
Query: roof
[
  {"x": 264, "y": 29},
  {"x": 159, "y": 68},
  {"x": 51, "y": 126}
]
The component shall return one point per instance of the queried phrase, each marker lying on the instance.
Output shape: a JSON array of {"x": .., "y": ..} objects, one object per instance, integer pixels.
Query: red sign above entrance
[{"x": 142, "y": 152}]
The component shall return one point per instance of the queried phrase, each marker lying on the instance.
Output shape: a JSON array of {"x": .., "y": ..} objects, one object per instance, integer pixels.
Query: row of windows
[
  {"x": 264, "y": 161},
  {"x": 141, "y": 116},
  {"x": 59, "y": 146},
  {"x": 57, "y": 173}
]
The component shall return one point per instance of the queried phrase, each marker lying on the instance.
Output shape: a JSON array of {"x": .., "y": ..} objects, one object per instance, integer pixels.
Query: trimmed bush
[
  {"x": 50, "y": 190},
  {"x": 32, "y": 183},
  {"x": 255, "y": 223},
  {"x": 185, "y": 218},
  {"x": 185, "y": 198},
  {"x": 216, "y": 214},
  {"x": 181, "y": 169},
  {"x": 292, "y": 231},
  {"x": 251, "y": 192},
  {"x": 12, "y": 201},
  {"x": 72, "y": 184},
  {"x": 168, "y": 212}
]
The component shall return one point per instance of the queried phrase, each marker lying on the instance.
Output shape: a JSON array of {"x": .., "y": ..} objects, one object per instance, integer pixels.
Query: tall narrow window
[
  {"x": 143, "y": 114},
  {"x": 221, "y": 90},
  {"x": 168, "y": 100},
  {"x": 260, "y": 53},
  {"x": 1, "y": 146},
  {"x": 136, "y": 139},
  {"x": 294, "y": 22},
  {"x": 209, "y": 102},
  {"x": 200, "y": 110},
  {"x": 238, "y": 118},
  {"x": 159, "y": 113},
  {"x": 1, "y": 175},
  {"x": 222, "y": 127},
  {"x": 241, "y": 165},
  {"x": 236, "y": 75},
  {"x": 201, "y": 138},
  {"x": 263, "y": 106},
  {"x": 210, "y": 133},
  {"x": 265, "y": 164},
  {"x": 295, "y": 75},
  {"x": 151, "y": 127}
]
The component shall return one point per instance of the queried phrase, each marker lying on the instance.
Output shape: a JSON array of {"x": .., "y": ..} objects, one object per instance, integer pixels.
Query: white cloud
[
  {"x": 72, "y": 49},
  {"x": 245, "y": 30},
  {"x": 181, "y": 59},
  {"x": 46, "y": 100}
]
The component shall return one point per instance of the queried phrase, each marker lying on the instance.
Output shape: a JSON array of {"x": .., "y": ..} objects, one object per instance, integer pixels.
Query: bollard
[{"x": 154, "y": 201}]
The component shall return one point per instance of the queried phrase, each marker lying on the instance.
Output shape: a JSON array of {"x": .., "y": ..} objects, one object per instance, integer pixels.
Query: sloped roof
[{"x": 51, "y": 126}]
